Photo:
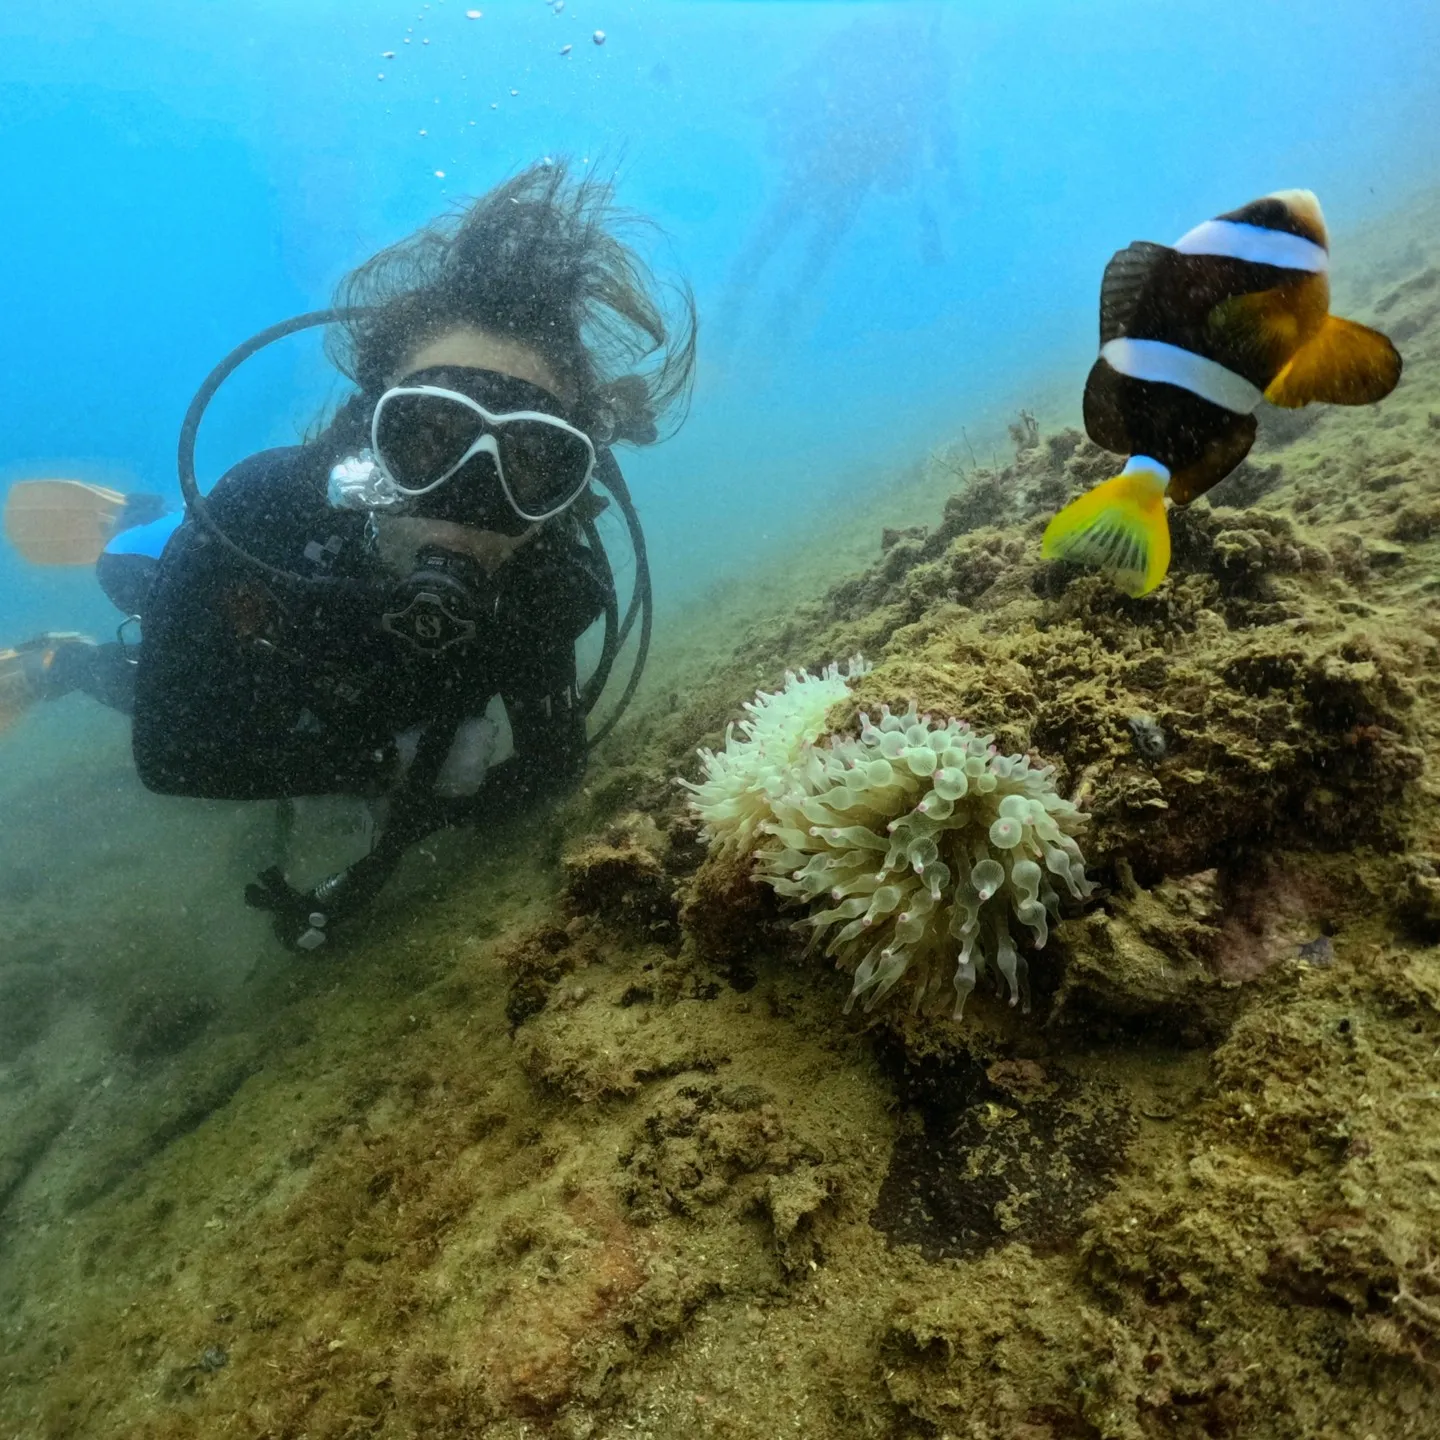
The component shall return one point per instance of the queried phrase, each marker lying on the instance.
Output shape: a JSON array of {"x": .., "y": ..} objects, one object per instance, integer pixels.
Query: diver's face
[{"x": 457, "y": 359}]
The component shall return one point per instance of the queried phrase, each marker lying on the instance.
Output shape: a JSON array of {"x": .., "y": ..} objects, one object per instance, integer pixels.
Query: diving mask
[{"x": 424, "y": 434}]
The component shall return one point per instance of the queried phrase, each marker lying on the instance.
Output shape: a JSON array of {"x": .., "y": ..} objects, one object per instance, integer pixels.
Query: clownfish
[{"x": 1192, "y": 337}]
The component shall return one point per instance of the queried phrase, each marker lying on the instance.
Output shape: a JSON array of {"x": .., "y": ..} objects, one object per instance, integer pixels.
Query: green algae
[{"x": 575, "y": 1141}]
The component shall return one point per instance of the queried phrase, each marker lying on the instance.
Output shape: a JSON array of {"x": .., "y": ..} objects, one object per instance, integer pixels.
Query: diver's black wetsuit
[{"x": 250, "y": 689}]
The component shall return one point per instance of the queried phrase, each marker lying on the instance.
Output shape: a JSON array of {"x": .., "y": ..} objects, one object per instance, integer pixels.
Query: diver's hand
[{"x": 294, "y": 914}]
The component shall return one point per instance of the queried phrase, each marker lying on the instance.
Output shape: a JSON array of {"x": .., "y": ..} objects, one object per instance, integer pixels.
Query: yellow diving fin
[
  {"x": 1119, "y": 527},
  {"x": 29, "y": 672},
  {"x": 1345, "y": 364},
  {"x": 61, "y": 522},
  {"x": 16, "y": 691}
]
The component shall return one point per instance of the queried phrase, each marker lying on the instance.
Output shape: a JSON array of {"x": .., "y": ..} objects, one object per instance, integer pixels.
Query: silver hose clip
[{"x": 358, "y": 483}]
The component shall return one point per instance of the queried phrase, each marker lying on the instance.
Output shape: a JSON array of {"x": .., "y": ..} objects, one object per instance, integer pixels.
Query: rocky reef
[{"x": 586, "y": 1146}]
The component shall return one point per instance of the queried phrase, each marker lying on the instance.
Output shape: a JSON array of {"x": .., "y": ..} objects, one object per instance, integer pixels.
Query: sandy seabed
[{"x": 575, "y": 1141}]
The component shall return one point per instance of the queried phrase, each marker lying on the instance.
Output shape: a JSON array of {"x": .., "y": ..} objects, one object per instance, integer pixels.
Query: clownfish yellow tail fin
[
  {"x": 1344, "y": 364},
  {"x": 1118, "y": 527}
]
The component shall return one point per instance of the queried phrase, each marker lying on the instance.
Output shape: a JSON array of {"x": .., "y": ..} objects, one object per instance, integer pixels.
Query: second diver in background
[{"x": 1192, "y": 337}]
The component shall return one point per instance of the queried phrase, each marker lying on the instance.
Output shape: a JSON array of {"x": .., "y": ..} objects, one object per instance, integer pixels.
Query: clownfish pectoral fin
[
  {"x": 1265, "y": 328},
  {"x": 1345, "y": 364},
  {"x": 1118, "y": 527},
  {"x": 1125, "y": 279}
]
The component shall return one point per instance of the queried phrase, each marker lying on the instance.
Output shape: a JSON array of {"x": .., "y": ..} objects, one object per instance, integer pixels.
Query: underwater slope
[{"x": 590, "y": 1149}]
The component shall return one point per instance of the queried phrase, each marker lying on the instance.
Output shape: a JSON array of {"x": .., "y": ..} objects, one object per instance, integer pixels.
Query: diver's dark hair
[{"x": 540, "y": 259}]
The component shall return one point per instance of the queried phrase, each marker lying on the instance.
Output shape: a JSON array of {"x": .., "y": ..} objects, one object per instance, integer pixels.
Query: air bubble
[{"x": 598, "y": 37}]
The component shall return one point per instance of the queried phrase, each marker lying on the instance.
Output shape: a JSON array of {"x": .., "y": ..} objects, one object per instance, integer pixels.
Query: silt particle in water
[
  {"x": 598, "y": 37},
  {"x": 566, "y": 49}
]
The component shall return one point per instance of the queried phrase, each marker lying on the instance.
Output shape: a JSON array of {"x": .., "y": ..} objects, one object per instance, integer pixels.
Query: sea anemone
[
  {"x": 915, "y": 844},
  {"x": 743, "y": 780}
]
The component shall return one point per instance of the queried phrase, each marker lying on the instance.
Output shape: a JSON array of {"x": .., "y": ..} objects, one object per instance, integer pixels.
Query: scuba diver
[{"x": 338, "y": 617}]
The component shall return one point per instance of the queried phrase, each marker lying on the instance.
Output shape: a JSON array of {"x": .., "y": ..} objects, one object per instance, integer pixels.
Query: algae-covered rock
[
  {"x": 622, "y": 876},
  {"x": 163, "y": 1019},
  {"x": 1420, "y": 902},
  {"x": 1150, "y": 957}
]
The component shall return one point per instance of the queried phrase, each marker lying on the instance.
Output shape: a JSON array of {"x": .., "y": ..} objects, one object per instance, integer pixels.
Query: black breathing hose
[
  {"x": 196, "y": 504},
  {"x": 641, "y": 601},
  {"x": 607, "y": 471},
  {"x": 610, "y": 646}
]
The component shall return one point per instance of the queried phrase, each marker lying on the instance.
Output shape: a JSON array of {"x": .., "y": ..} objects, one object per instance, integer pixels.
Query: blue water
[{"x": 894, "y": 216}]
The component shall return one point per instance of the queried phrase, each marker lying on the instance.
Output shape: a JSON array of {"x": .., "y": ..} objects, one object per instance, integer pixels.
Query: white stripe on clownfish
[
  {"x": 1170, "y": 365},
  {"x": 1146, "y": 465},
  {"x": 1254, "y": 243}
]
